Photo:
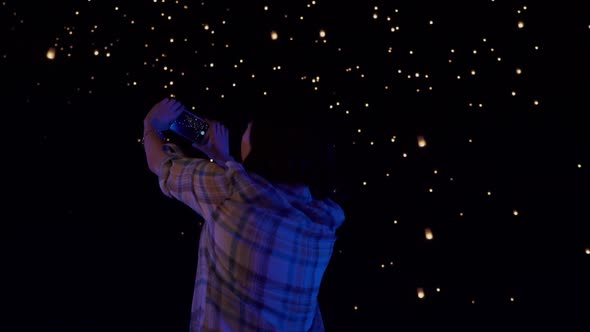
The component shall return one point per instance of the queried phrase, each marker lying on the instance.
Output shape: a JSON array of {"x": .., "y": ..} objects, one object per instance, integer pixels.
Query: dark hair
[{"x": 290, "y": 144}]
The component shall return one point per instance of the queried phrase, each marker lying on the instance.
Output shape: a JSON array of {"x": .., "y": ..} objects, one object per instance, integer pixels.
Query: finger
[{"x": 176, "y": 106}]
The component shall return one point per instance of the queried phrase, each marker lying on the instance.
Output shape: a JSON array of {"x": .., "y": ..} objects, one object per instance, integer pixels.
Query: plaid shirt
[{"x": 263, "y": 248}]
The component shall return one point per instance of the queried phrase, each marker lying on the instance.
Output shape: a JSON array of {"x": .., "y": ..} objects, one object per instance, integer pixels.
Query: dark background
[{"x": 99, "y": 248}]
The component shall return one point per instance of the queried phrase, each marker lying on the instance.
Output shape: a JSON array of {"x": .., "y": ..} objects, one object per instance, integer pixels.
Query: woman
[{"x": 269, "y": 225}]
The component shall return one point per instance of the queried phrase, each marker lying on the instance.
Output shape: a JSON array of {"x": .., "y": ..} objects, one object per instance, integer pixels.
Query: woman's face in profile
[{"x": 245, "y": 146}]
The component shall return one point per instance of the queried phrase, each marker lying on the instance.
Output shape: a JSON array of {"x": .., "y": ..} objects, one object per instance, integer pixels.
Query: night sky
[{"x": 461, "y": 127}]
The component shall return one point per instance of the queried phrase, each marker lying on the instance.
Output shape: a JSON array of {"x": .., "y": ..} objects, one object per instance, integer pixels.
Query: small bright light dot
[
  {"x": 420, "y": 292},
  {"x": 515, "y": 212},
  {"x": 472, "y": 72},
  {"x": 536, "y": 102},
  {"x": 513, "y": 93},
  {"x": 172, "y": 40},
  {"x": 382, "y": 266},
  {"x": 96, "y": 52},
  {"x": 274, "y": 35},
  {"x": 322, "y": 33},
  {"x": 265, "y": 8},
  {"x": 430, "y": 190},
  {"x": 431, "y": 22},
  {"x": 395, "y": 221},
  {"x": 511, "y": 299},
  {"x": 364, "y": 183},
  {"x": 489, "y": 193},
  {"x": 520, "y": 24},
  {"x": 356, "y": 307},
  {"x": 405, "y": 155},
  {"x": 437, "y": 289},
  {"x": 579, "y": 165},
  {"x": 587, "y": 251},
  {"x": 50, "y": 53},
  {"x": 518, "y": 71},
  {"x": 428, "y": 234}
]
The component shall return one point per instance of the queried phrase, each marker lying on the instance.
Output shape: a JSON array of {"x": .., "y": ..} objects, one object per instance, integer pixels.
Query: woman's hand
[
  {"x": 216, "y": 143},
  {"x": 163, "y": 113}
]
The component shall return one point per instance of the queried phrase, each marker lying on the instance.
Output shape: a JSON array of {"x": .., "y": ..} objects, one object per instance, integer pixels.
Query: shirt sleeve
[{"x": 199, "y": 183}]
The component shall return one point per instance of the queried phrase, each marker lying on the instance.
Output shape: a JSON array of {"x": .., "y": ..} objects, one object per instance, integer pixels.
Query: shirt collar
[{"x": 298, "y": 192}]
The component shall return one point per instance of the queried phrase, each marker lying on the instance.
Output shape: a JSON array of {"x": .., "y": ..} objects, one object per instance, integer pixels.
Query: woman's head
[{"x": 286, "y": 142}]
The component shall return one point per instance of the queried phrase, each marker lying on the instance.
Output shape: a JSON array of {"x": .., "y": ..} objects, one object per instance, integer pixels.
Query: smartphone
[{"x": 190, "y": 126}]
